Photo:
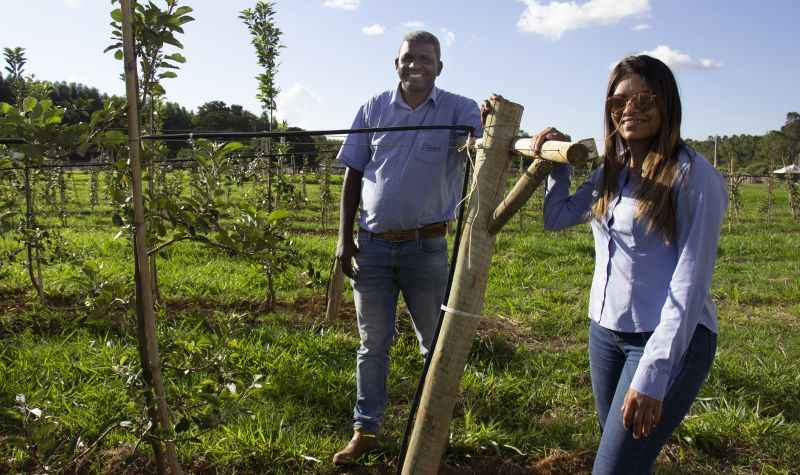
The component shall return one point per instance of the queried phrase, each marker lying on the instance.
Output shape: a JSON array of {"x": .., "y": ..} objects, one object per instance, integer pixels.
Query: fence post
[{"x": 430, "y": 433}]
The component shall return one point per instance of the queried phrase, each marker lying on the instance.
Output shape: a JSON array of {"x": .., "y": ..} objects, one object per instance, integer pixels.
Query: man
[{"x": 408, "y": 185}]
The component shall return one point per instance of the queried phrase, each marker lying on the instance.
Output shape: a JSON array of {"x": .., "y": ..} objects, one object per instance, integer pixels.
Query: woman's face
[{"x": 639, "y": 118}]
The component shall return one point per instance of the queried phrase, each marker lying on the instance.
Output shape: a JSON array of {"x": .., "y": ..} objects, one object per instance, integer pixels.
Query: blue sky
[{"x": 735, "y": 60}]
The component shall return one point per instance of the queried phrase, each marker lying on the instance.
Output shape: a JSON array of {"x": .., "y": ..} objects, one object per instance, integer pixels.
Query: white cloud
[
  {"x": 73, "y": 3},
  {"x": 373, "y": 30},
  {"x": 414, "y": 25},
  {"x": 299, "y": 106},
  {"x": 342, "y": 4},
  {"x": 448, "y": 36},
  {"x": 556, "y": 18},
  {"x": 641, "y": 27},
  {"x": 679, "y": 60}
]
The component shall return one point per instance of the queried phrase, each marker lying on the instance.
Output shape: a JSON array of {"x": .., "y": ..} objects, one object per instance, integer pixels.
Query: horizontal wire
[
  {"x": 467, "y": 129},
  {"x": 227, "y": 135}
]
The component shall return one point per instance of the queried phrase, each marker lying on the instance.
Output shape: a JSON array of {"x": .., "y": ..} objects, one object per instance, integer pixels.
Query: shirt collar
[{"x": 397, "y": 97}]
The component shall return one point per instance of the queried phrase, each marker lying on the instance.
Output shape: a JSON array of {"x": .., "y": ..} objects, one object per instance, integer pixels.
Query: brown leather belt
[{"x": 426, "y": 232}]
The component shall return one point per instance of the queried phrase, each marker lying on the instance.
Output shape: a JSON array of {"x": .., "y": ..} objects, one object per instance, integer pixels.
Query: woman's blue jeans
[
  {"x": 613, "y": 358},
  {"x": 419, "y": 270}
]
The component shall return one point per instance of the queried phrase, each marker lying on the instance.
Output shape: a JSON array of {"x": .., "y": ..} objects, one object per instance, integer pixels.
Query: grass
[{"x": 272, "y": 392}]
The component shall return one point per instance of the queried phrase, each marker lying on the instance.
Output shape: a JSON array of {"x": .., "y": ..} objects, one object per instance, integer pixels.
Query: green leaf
[
  {"x": 29, "y": 104},
  {"x": 180, "y": 11},
  {"x": 167, "y": 74},
  {"x": 157, "y": 90},
  {"x": 111, "y": 137},
  {"x": 52, "y": 119},
  {"x": 116, "y": 15},
  {"x": 177, "y": 57},
  {"x": 118, "y": 54},
  {"x": 278, "y": 215},
  {"x": 231, "y": 147},
  {"x": 170, "y": 39},
  {"x": 5, "y": 108},
  {"x": 183, "y": 425}
]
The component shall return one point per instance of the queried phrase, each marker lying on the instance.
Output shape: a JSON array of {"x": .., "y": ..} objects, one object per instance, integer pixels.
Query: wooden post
[
  {"x": 432, "y": 426},
  {"x": 146, "y": 325},
  {"x": 335, "y": 289},
  {"x": 552, "y": 152}
]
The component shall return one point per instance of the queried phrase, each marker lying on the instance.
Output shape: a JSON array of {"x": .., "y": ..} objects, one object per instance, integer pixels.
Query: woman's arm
[
  {"x": 562, "y": 210},
  {"x": 700, "y": 209}
]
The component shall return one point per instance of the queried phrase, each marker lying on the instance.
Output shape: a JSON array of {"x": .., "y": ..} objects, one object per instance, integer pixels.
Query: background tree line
[
  {"x": 755, "y": 154},
  {"x": 80, "y": 101}
]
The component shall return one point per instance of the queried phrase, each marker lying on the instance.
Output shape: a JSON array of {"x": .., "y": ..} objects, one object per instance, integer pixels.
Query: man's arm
[{"x": 351, "y": 195}]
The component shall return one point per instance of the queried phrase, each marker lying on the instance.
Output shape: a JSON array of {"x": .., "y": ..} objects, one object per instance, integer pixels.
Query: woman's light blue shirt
[{"x": 640, "y": 283}]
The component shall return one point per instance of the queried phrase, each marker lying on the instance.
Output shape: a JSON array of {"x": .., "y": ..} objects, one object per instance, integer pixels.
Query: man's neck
[{"x": 414, "y": 99}]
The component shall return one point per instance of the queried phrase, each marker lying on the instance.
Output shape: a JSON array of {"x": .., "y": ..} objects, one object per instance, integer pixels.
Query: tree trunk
[
  {"x": 146, "y": 326},
  {"x": 34, "y": 259}
]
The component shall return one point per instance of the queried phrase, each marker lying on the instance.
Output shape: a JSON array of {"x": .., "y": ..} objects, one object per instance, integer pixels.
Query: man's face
[{"x": 417, "y": 66}]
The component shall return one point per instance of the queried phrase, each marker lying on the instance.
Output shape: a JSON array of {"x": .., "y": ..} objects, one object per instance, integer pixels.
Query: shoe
[{"x": 361, "y": 443}]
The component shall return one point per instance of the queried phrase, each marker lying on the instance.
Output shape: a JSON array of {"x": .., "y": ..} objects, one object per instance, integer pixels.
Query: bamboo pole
[
  {"x": 335, "y": 289},
  {"x": 552, "y": 152},
  {"x": 146, "y": 326},
  {"x": 430, "y": 433}
]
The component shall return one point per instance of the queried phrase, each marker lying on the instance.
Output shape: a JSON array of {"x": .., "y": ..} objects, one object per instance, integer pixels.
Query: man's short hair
[{"x": 427, "y": 37}]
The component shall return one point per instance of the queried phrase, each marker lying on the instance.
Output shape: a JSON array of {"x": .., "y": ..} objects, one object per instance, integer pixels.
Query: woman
[{"x": 656, "y": 208}]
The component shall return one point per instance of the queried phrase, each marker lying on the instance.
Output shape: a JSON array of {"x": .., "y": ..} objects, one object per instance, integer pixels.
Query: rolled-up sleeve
[
  {"x": 562, "y": 210},
  {"x": 355, "y": 151},
  {"x": 700, "y": 209}
]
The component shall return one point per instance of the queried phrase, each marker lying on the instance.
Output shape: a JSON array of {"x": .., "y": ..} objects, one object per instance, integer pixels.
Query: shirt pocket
[
  {"x": 432, "y": 146},
  {"x": 383, "y": 144}
]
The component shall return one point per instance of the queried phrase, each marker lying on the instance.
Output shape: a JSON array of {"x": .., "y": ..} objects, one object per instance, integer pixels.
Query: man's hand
[
  {"x": 640, "y": 413},
  {"x": 346, "y": 250},
  {"x": 486, "y": 107},
  {"x": 550, "y": 133}
]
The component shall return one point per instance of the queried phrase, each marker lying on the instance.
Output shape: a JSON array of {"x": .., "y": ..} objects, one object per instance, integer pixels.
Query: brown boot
[{"x": 361, "y": 443}]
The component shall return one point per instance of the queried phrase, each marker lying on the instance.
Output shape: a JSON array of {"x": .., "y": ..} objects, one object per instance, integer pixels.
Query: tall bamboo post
[
  {"x": 146, "y": 325},
  {"x": 335, "y": 289},
  {"x": 430, "y": 433}
]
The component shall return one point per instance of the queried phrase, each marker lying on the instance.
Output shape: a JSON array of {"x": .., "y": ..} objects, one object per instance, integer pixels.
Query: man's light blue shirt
[
  {"x": 410, "y": 178},
  {"x": 640, "y": 283}
]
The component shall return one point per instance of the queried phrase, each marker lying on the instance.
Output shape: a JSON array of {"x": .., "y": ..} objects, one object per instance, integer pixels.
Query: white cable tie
[{"x": 460, "y": 313}]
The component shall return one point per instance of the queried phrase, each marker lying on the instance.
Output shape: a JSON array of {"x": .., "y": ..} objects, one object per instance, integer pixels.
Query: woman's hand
[
  {"x": 640, "y": 413},
  {"x": 550, "y": 133}
]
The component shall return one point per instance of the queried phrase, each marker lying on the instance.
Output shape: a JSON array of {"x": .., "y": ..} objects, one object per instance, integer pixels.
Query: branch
[{"x": 169, "y": 243}]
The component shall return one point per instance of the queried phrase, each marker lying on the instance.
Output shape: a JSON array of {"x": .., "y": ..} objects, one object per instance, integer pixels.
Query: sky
[{"x": 736, "y": 61}]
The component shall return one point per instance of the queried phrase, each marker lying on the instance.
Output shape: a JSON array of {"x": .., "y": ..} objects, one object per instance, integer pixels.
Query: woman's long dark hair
[{"x": 660, "y": 168}]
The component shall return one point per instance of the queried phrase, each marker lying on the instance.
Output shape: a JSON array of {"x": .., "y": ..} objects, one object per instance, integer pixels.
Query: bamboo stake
[
  {"x": 552, "y": 152},
  {"x": 431, "y": 429},
  {"x": 335, "y": 289},
  {"x": 148, "y": 342}
]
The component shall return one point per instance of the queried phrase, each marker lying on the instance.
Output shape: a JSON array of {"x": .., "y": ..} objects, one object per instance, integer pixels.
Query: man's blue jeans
[
  {"x": 613, "y": 358},
  {"x": 418, "y": 269}
]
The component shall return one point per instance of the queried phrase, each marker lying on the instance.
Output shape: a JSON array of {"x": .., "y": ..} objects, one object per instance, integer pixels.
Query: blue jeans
[
  {"x": 417, "y": 268},
  {"x": 613, "y": 358}
]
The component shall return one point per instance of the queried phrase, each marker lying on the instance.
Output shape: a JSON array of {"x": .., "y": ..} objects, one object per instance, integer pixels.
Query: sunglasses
[{"x": 642, "y": 101}]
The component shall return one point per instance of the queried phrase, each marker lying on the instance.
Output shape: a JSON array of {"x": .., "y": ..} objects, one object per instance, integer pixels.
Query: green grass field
[{"x": 272, "y": 392}]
